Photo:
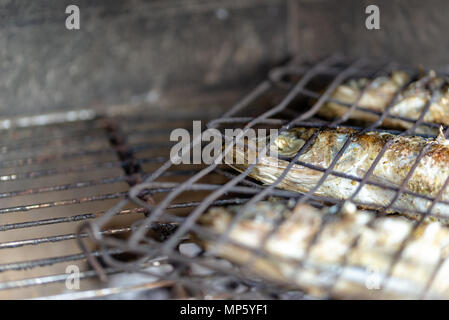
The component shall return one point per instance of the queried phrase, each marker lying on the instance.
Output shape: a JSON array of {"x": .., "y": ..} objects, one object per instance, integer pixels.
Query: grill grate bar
[
  {"x": 84, "y": 184},
  {"x": 39, "y": 281},
  {"x": 45, "y": 262},
  {"x": 58, "y": 238},
  {"x": 73, "y": 155},
  {"x": 75, "y": 218},
  {"x": 75, "y": 169},
  {"x": 87, "y": 216},
  {"x": 62, "y": 187},
  {"x": 77, "y": 138},
  {"x": 52, "y": 204}
]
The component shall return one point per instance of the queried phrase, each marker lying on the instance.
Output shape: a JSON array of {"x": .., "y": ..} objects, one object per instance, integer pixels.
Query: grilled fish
[
  {"x": 409, "y": 104},
  {"x": 286, "y": 250},
  {"x": 427, "y": 180}
]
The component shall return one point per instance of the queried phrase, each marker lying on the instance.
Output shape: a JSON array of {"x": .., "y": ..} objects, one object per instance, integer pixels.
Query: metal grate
[
  {"x": 57, "y": 172},
  {"x": 168, "y": 199}
]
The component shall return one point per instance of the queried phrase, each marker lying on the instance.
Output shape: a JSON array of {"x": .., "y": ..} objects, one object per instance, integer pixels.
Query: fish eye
[{"x": 288, "y": 144}]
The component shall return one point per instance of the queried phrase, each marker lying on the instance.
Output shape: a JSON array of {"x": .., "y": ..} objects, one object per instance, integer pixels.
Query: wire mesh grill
[
  {"x": 167, "y": 200},
  {"x": 293, "y": 82}
]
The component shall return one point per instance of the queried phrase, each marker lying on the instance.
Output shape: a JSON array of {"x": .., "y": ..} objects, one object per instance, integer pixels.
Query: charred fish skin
[
  {"x": 381, "y": 91},
  {"x": 288, "y": 233},
  {"x": 427, "y": 180}
]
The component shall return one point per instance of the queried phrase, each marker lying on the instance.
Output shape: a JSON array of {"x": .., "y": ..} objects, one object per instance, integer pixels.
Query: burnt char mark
[
  {"x": 130, "y": 165},
  {"x": 439, "y": 153}
]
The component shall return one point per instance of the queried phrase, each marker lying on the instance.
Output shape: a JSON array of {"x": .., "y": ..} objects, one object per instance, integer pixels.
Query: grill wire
[
  {"x": 239, "y": 184},
  {"x": 152, "y": 192}
]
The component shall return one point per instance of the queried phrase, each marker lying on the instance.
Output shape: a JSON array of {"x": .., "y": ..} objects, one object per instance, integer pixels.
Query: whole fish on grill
[
  {"x": 381, "y": 91},
  {"x": 427, "y": 180},
  {"x": 286, "y": 254}
]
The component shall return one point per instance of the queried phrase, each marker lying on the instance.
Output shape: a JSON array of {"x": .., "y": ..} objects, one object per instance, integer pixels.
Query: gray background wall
[
  {"x": 191, "y": 52},
  {"x": 411, "y": 31}
]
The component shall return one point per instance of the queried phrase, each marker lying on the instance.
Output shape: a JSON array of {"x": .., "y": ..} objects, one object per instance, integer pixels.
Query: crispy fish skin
[
  {"x": 366, "y": 263},
  {"x": 409, "y": 104},
  {"x": 427, "y": 179}
]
